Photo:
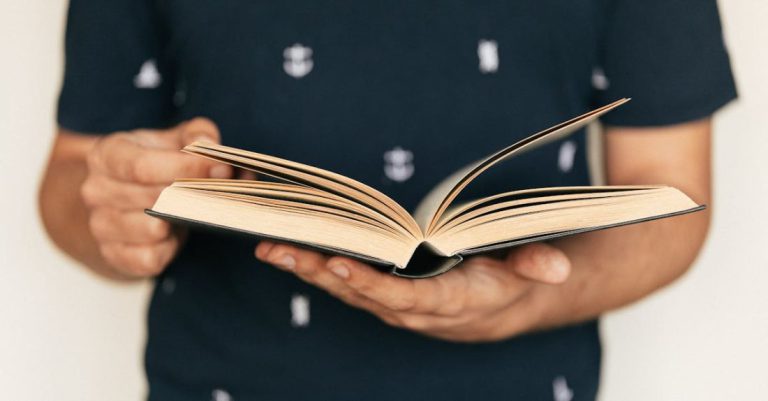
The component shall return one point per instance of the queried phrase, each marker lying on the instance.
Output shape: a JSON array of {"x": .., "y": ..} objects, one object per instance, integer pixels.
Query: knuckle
[
  {"x": 149, "y": 262},
  {"x": 349, "y": 296},
  {"x": 98, "y": 224},
  {"x": 141, "y": 170},
  {"x": 453, "y": 307},
  {"x": 403, "y": 304},
  {"x": 390, "y": 320},
  {"x": 89, "y": 192},
  {"x": 459, "y": 301},
  {"x": 362, "y": 286},
  {"x": 139, "y": 198},
  {"x": 147, "y": 198},
  {"x": 306, "y": 270},
  {"x": 110, "y": 254},
  {"x": 93, "y": 157},
  {"x": 413, "y": 322}
]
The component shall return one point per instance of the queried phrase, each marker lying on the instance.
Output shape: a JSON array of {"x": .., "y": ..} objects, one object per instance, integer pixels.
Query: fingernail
[
  {"x": 263, "y": 248},
  {"x": 340, "y": 270},
  {"x": 219, "y": 171},
  {"x": 287, "y": 262}
]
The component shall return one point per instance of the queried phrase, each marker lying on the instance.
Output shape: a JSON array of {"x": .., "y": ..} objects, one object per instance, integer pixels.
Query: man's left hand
[{"x": 483, "y": 299}]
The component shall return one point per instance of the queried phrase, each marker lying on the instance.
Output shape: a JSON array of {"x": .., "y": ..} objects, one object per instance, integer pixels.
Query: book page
[
  {"x": 458, "y": 214},
  {"x": 447, "y": 191},
  {"x": 499, "y": 227},
  {"x": 302, "y": 174},
  {"x": 315, "y": 226}
]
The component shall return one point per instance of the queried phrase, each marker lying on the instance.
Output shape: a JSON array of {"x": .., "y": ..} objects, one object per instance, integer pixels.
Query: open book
[{"x": 334, "y": 214}]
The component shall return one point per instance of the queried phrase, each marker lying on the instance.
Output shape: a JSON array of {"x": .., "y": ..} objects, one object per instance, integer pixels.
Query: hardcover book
[{"x": 334, "y": 214}]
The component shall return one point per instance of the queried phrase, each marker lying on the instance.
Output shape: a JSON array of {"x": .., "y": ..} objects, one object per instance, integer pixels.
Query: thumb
[
  {"x": 175, "y": 138},
  {"x": 204, "y": 130},
  {"x": 197, "y": 129},
  {"x": 540, "y": 262}
]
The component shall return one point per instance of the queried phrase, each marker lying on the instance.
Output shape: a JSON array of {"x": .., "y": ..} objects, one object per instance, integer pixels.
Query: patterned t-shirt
[{"x": 396, "y": 94}]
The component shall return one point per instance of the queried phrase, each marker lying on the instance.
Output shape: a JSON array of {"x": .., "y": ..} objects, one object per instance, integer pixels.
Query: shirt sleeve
[
  {"x": 668, "y": 56},
  {"x": 116, "y": 74}
]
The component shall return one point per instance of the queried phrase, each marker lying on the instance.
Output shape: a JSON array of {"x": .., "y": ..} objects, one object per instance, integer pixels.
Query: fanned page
[
  {"x": 286, "y": 212},
  {"x": 431, "y": 213},
  {"x": 523, "y": 216},
  {"x": 302, "y": 174}
]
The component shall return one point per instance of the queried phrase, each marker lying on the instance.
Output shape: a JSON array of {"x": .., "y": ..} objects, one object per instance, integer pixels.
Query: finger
[
  {"x": 482, "y": 329},
  {"x": 262, "y": 249},
  {"x": 291, "y": 258},
  {"x": 126, "y": 160},
  {"x": 199, "y": 129},
  {"x": 306, "y": 265},
  {"x": 140, "y": 260},
  {"x": 540, "y": 262},
  {"x": 429, "y": 323},
  {"x": 101, "y": 190},
  {"x": 175, "y": 138},
  {"x": 309, "y": 266},
  {"x": 134, "y": 227},
  {"x": 395, "y": 293}
]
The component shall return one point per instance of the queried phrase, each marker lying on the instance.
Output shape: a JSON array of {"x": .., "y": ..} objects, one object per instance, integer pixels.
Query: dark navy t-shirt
[{"x": 398, "y": 95}]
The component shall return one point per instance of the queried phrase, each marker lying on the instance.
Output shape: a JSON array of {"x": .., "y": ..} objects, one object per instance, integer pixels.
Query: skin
[
  {"x": 95, "y": 190},
  {"x": 534, "y": 287}
]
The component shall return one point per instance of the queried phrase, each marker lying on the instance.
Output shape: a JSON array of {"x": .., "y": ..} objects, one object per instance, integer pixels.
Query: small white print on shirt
[
  {"x": 398, "y": 164},
  {"x": 148, "y": 77},
  {"x": 560, "y": 389},
  {"x": 488, "y": 54},
  {"x": 299, "y": 310},
  {"x": 298, "y": 60}
]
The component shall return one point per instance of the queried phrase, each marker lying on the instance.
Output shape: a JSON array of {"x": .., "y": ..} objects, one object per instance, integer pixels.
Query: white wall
[
  {"x": 68, "y": 336},
  {"x": 706, "y": 337},
  {"x": 64, "y": 334}
]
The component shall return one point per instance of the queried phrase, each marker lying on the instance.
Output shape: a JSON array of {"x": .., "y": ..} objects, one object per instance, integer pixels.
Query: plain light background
[{"x": 66, "y": 335}]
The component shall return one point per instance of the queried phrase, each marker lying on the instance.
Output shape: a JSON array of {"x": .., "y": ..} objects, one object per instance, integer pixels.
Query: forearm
[
  {"x": 612, "y": 268},
  {"x": 615, "y": 267},
  {"x": 96, "y": 188}
]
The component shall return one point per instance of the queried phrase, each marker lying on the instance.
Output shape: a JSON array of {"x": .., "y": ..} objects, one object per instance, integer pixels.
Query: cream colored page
[
  {"x": 573, "y": 215},
  {"x": 301, "y": 174},
  {"x": 286, "y": 223},
  {"x": 438, "y": 201},
  {"x": 290, "y": 171},
  {"x": 426, "y": 209}
]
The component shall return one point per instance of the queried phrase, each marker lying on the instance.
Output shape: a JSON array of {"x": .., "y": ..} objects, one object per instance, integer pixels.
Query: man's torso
[{"x": 397, "y": 95}]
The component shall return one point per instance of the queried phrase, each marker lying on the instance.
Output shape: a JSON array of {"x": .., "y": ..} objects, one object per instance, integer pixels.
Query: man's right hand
[{"x": 125, "y": 173}]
